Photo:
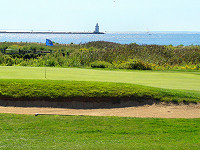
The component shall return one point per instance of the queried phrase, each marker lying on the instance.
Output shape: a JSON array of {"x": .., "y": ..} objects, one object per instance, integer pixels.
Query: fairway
[
  {"x": 84, "y": 132},
  {"x": 161, "y": 79}
]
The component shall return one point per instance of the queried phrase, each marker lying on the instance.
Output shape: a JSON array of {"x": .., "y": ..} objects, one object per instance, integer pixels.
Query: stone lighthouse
[{"x": 96, "y": 28}]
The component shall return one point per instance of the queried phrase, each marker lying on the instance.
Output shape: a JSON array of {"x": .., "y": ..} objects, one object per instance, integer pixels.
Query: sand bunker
[{"x": 146, "y": 111}]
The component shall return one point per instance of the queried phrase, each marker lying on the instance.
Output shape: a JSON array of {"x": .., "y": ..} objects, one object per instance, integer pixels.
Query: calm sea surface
[{"x": 159, "y": 38}]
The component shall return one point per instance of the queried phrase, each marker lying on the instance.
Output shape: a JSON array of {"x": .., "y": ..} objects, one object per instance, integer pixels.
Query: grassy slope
[
  {"x": 74, "y": 84},
  {"x": 84, "y": 90},
  {"x": 83, "y": 132},
  {"x": 168, "y": 80}
]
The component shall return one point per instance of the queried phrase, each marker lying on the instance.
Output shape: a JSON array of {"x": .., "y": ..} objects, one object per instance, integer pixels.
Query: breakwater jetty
[
  {"x": 48, "y": 32},
  {"x": 96, "y": 31}
]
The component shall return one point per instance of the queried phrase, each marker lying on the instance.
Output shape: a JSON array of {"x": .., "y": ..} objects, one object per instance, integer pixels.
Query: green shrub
[
  {"x": 138, "y": 65},
  {"x": 134, "y": 65},
  {"x": 100, "y": 64}
]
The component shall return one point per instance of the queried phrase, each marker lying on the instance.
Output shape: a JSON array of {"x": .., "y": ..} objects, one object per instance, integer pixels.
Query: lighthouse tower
[{"x": 96, "y": 28}]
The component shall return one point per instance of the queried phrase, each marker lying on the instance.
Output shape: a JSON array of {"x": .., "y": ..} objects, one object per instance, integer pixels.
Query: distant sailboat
[{"x": 148, "y": 32}]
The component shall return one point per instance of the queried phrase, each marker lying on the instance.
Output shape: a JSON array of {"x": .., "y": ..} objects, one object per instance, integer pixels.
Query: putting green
[{"x": 169, "y": 80}]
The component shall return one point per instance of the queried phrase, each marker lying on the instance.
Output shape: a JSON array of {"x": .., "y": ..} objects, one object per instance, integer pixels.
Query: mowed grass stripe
[
  {"x": 168, "y": 80},
  {"x": 84, "y": 132}
]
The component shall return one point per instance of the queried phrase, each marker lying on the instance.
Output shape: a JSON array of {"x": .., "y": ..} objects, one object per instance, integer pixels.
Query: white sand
[{"x": 147, "y": 111}]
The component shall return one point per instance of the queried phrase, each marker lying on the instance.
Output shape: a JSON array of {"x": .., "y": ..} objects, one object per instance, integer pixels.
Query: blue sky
[{"x": 112, "y": 15}]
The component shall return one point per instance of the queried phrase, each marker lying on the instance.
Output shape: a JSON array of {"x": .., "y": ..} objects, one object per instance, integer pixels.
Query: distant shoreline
[
  {"x": 156, "y": 38},
  {"x": 50, "y": 32}
]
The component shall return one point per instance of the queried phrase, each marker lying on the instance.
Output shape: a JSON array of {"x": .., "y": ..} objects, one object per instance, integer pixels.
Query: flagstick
[
  {"x": 48, "y": 43},
  {"x": 45, "y": 73}
]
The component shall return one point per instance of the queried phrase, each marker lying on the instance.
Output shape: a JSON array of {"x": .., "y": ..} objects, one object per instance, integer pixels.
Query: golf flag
[{"x": 49, "y": 42}]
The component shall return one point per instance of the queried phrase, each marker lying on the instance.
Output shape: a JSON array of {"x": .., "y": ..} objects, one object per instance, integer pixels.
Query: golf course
[
  {"x": 48, "y": 103},
  {"x": 100, "y": 75},
  {"x": 87, "y": 132}
]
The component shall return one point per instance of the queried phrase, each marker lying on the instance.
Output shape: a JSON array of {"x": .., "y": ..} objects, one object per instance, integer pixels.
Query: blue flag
[{"x": 49, "y": 42}]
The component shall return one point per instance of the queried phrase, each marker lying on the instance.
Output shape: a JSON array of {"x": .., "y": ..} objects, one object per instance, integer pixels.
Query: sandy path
[{"x": 148, "y": 111}]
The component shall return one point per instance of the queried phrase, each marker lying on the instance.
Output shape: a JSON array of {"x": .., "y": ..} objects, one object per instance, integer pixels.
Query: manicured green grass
[
  {"x": 85, "y": 90},
  {"x": 167, "y": 80},
  {"x": 62, "y": 83},
  {"x": 84, "y": 132}
]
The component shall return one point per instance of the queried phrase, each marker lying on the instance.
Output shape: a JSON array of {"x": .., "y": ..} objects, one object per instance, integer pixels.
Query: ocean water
[{"x": 159, "y": 38}]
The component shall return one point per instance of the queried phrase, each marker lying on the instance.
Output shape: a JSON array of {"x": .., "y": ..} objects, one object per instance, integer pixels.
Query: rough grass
[
  {"x": 121, "y": 56},
  {"x": 84, "y": 90},
  {"x": 84, "y": 132}
]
